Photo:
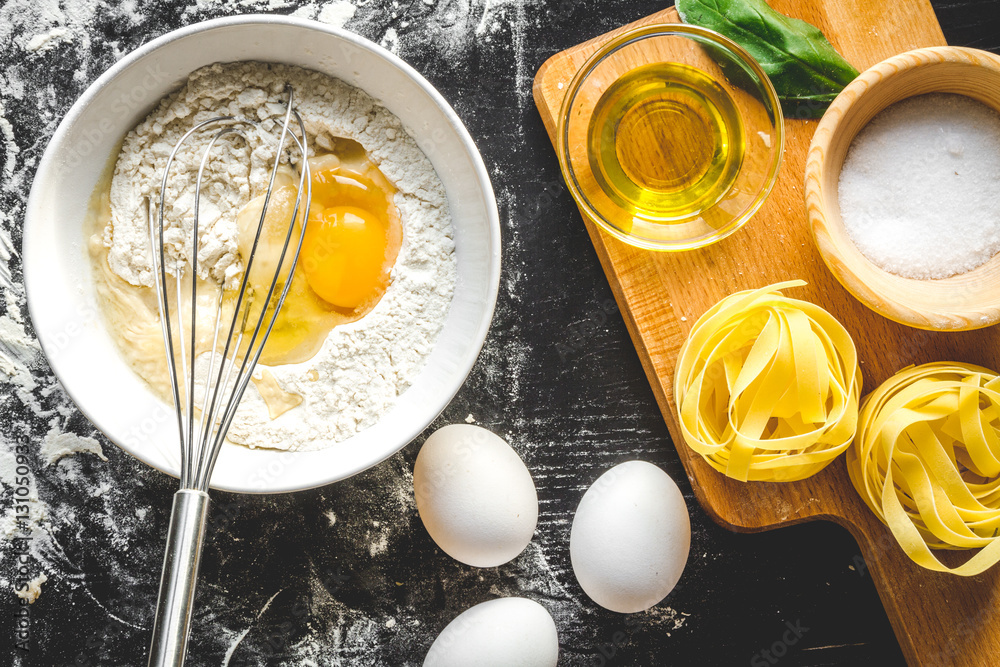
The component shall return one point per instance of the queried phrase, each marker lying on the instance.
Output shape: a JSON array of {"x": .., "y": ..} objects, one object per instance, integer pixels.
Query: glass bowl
[{"x": 670, "y": 137}]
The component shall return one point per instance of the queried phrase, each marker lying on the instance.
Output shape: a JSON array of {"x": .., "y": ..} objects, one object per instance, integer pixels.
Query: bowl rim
[
  {"x": 877, "y": 77},
  {"x": 620, "y": 41},
  {"x": 463, "y": 365}
]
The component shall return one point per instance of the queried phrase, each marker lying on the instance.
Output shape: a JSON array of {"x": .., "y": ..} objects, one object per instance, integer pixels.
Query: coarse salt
[{"x": 919, "y": 191}]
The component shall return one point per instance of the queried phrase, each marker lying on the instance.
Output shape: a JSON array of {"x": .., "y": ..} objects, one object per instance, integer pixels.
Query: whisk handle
[{"x": 180, "y": 574}]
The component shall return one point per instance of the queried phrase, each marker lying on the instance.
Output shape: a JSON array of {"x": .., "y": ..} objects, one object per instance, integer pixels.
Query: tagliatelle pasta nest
[
  {"x": 926, "y": 460},
  {"x": 767, "y": 387}
]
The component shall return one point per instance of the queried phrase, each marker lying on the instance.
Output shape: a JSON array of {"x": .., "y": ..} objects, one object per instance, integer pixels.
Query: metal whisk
[{"x": 229, "y": 371}]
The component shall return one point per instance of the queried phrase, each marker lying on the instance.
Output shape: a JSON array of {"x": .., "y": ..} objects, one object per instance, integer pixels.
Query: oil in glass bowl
[{"x": 665, "y": 142}]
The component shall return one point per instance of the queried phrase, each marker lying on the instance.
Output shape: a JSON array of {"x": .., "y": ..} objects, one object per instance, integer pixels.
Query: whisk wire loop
[
  {"x": 194, "y": 293},
  {"x": 229, "y": 370},
  {"x": 157, "y": 240},
  {"x": 199, "y": 448},
  {"x": 253, "y": 352}
]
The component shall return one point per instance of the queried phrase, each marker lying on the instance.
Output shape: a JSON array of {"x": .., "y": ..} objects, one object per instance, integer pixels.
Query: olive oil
[{"x": 665, "y": 142}]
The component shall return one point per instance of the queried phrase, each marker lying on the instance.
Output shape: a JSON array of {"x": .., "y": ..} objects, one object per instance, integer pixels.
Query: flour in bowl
[{"x": 361, "y": 367}]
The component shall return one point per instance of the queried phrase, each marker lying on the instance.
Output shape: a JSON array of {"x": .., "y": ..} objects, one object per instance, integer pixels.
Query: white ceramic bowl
[{"x": 57, "y": 272}]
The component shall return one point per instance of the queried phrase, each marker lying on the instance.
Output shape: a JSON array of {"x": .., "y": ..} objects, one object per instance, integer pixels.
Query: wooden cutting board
[{"x": 939, "y": 619}]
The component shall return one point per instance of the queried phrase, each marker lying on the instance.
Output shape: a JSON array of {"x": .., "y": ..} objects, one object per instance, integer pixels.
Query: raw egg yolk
[
  {"x": 344, "y": 254},
  {"x": 351, "y": 240}
]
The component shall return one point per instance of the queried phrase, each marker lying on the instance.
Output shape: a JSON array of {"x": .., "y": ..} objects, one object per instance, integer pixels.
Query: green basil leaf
[{"x": 807, "y": 72}]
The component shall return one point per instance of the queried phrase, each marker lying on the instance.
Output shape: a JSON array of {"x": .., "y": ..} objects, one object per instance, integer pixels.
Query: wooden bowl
[{"x": 965, "y": 301}]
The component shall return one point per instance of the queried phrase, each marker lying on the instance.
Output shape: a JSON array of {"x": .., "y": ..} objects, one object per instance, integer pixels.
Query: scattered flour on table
[
  {"x": 390, "y": 41},
  {"x": 11, "y": 291},
  {"x": 337, "y": 13},
  {"x": 918, "y": 189},
  {"x": 31, "y": 527},
  {"x": 49, "y": 40},
  {"x": 33, "y": 590},
  {"x": 241, "y": 636},
  {"x": 667, "y": 618},
  {"x": 11, "y": 149},
  {"x": 362, "y": 367},
  {"x": 58, "y": 444},
  {"x": 39, "y": 26},
  {"x": 18, "y": 351}
]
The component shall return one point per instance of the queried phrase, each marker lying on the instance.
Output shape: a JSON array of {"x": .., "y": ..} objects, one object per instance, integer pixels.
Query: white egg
[
  {"x": 474, "y": 495},
  {"x": 508, "y": 632},
  {"x": 630, "y": 538}
]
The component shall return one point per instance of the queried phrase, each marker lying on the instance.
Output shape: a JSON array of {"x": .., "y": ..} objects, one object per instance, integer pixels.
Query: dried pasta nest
[
  {"x": 926, "y": 460},
  {"x": 767, "y": 387}
]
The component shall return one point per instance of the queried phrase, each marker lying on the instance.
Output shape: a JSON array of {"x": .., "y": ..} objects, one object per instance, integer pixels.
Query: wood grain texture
[
  {"x": 939, "y": 619},
  {"x": 965, "y": 301}
]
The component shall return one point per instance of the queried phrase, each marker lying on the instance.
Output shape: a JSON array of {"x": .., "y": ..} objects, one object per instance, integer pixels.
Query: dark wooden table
[{"x": 346, "y": 574}]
